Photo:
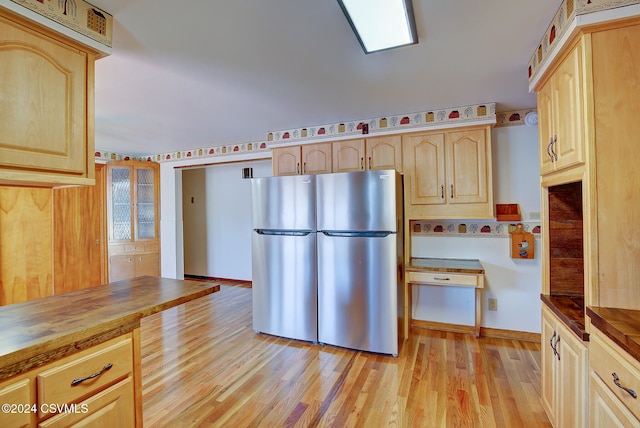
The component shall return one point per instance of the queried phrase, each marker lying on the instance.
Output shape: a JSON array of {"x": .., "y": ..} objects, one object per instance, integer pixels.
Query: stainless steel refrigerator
[
  {"x": 360, "y": 260},
  {"x": 284, "y": 256}
]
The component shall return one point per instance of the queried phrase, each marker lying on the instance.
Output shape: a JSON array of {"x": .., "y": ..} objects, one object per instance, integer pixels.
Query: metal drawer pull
[
  {"x": 616, "y": 380},
  {"x": 553, "y": 336},
  {"x": 555, "y": 347},
  {"x": 441, "y": 278},
  {"x": 79, "y": 380}
]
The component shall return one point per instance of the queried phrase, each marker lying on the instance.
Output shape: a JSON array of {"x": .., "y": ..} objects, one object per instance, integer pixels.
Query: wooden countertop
[
  {"x": 620, "y": 325},
  {"x": 45, "y": 329},
  {"x": 472, "y": 266},
  {"x": 570, "y": 310}
]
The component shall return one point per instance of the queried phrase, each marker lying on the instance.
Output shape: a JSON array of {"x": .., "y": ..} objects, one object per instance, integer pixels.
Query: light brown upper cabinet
[
  {"x": 447, "y": 174},
  {"x": 47, "y": 108},
  {"x": 561, "y": 114},
  {"x": 133, "y": 218},
  {"x": 305, "y": 159},
  {"x": 383, "y": 152}
]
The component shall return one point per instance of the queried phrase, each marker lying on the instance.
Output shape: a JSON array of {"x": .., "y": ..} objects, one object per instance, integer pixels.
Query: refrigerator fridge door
[
  {"x": 357, "y": 291},
  {"x": 283, "y": 203},
  {"x": 358, "y": 201},
  {"x": 285, "y": 284}
]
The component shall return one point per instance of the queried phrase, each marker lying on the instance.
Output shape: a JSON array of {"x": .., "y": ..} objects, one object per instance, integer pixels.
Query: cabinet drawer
[
  {"x": 606, "y": 358},
  {"x": 112, "y": 407},
  {"x": 133, "y": 248},
  {"x": 152, "y": 247},
  {"x": 55, "y": 385},
  {"x": 16, "y": 394},
  {"x": 443, "y": 278}
]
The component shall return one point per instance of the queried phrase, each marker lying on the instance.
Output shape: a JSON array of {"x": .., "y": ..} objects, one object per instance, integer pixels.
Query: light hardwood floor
[{"x": 203, "y": 365}]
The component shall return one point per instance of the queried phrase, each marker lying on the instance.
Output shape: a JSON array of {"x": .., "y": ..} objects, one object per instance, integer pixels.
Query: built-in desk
[{"x": 444, "y": 272}]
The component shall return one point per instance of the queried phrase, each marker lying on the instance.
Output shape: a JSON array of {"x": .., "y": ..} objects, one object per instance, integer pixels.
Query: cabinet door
[
  {"x": 549, "y": 361},
  {"x": 384, "y": 153},
  {"x": 147, "y": 264},
  {"x": 120, "y": 206},
  {"x": 567, "y": 99},
  {"x": 146, "y": 204},
  {"x": 286, "y": 160},
  {"x": 44, "y": 110},
  {"x": 122, "y": 267},
  {"x": 545, "y": 129},
  {"x": 466, "y": 168},
  {"x": 317, "y": 158},
  {"x": 79, "y": 229},
  {"x": 26, "y": 250},
  {"x": 572, "y": 380},
  {"x": 424, "y": 166},
  {"x": 348, "y": 155}
]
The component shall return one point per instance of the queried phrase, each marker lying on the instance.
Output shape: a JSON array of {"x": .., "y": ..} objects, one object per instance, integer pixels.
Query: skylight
[{"x": 381, "y": 24}]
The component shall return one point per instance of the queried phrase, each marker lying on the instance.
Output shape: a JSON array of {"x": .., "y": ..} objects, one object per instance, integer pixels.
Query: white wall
[
  {"x": 217, "y": 224},
  {"x": 171, "y": 222},
  {"x": 515, "y": 283}
]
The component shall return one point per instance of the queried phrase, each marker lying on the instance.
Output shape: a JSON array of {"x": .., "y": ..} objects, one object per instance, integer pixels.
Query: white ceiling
[{"x": 197, "y": 74}]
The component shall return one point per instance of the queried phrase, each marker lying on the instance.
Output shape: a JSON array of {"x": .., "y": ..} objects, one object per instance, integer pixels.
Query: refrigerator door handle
[
  {"x": 283, "y": 232},
  {"x": 344, "y": 234}
]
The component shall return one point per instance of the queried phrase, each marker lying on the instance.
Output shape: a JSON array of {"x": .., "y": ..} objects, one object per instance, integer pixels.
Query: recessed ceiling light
[{"x": 381, "y": 24}]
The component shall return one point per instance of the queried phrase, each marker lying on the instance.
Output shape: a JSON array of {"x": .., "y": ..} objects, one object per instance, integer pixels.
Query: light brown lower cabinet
[
  {"x": 564, "y": 373},
  {"x": 54, "y": 394},
  {"x": 133, "y": 265},
  {"x": 614, "y": 384}
]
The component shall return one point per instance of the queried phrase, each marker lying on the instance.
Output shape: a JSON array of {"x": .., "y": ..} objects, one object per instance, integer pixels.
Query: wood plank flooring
[{"x": 203, "y": 365}]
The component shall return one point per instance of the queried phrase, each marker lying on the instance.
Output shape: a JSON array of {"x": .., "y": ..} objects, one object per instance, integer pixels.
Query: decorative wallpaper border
[
  {"x": 471, "y": 228},
  {"x": 415, "y": 121},
  {"x": 418, "y": 120},
  {"x": 514, "y": 117},
  {"x": 78, "y": 15},
  {"x": 562, "y": 20}
]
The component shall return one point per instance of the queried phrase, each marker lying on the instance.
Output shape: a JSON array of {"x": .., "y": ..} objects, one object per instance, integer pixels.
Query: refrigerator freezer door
[
  {"x": 283, "y": 203},
  {"x": 360, "y": 201},
  {"x": 357, "y": 292},
  {"x": 284, "y": 285}
]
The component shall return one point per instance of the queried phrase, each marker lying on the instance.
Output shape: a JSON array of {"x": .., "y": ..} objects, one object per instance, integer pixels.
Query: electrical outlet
[{"x": 493, "y": 304}]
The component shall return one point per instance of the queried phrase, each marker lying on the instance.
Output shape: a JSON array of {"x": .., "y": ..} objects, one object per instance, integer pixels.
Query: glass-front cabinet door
[
  {"x": 133, "y": 203},
  {"x": 121, "y": 206},
  {"x": 145, "y": 204}
]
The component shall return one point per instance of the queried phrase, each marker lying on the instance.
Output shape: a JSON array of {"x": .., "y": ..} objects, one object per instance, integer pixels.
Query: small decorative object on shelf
[
  {"x": 522, "y": 243},
  {"x": 508, "y": 212}
]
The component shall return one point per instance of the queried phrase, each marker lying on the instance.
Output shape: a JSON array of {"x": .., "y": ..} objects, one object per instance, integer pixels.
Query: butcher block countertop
[
  {"x": 472, "y": 266},
  {"x": 620, "y": 325},
  {"x": 35, "y": 332}
]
